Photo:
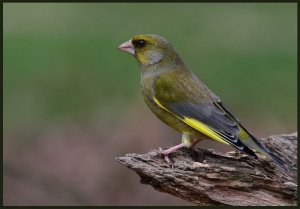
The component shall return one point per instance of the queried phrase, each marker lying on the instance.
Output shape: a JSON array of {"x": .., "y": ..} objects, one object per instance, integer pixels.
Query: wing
[{"x": 192, "y": 103}]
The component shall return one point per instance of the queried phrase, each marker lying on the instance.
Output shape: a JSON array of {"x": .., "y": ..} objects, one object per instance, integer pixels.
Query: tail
[
  {"x": 280, "y": 162},
  {"x": 249, "y": 140}
]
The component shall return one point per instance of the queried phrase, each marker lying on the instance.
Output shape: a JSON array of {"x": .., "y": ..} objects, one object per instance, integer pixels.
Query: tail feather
[
  {"x": 253, "y": 143},
  {"x": 249, "y": 141},
  {"x": 280, "y": 162}
]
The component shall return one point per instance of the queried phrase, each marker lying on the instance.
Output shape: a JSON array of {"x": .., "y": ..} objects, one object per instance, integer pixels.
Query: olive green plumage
[{"x": 177, "y": 97}]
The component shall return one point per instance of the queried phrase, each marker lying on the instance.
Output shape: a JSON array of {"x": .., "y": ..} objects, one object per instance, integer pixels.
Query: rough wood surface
[{"x": 222, "y": 179}]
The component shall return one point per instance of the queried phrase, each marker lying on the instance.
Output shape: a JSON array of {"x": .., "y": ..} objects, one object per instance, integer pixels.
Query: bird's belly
[{"x": 170, "y": 119}]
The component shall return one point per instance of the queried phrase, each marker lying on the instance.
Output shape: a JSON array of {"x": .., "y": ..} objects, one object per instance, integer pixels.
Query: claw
[
  {"x": 168, "y": 151},
  {"x": 186, "y": 142},
  {"x": 165, "y": 155},
  {"x": 171, "y": 165}
]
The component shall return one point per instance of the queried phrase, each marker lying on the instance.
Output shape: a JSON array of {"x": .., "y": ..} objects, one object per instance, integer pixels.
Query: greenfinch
[{"x": 178, "y": 98}]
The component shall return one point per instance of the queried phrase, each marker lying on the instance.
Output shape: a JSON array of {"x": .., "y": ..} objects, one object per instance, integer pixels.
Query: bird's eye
[{"x": 139, "y": 43}]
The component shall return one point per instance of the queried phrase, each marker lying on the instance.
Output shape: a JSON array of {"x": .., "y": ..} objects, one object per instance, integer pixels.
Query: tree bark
[{"x": 222, "y": 179}]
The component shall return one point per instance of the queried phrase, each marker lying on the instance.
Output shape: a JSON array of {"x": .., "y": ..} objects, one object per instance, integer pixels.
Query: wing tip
[{"x": 250, "y": 152}]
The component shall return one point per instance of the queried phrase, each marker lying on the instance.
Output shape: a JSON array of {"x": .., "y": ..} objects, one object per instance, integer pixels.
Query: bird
[{"x": 182, "y": 101}]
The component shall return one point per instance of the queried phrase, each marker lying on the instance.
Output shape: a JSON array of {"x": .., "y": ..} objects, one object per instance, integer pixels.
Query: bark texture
[{"x": 205, "y": 177}]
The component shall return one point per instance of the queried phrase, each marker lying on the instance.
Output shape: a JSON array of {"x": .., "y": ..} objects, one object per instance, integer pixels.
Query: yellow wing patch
[
  {"x": 203, "y": 129},
  {"x": 199, "y": 126}
]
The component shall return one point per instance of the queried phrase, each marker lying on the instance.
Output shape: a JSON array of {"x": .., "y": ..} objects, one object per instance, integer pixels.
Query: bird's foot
[{"x": 165, "y": 155}]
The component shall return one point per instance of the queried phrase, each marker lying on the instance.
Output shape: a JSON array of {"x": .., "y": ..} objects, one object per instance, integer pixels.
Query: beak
[{"x": 127, "y": 47}]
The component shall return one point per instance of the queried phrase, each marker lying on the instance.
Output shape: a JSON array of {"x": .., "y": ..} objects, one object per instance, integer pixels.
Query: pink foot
[{"x": 165, "y": 153}]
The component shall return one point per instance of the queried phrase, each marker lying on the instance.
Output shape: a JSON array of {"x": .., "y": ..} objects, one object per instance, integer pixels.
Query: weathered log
[{"x": 222, "y": 179}]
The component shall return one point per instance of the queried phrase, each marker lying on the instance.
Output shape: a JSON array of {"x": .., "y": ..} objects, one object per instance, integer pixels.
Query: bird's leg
[
  {"x": 195, "y": 142},
  {"x": 165, "y": 153},
  {"x": 197, "y": 156},
  {"x": 186, "y": 142}
]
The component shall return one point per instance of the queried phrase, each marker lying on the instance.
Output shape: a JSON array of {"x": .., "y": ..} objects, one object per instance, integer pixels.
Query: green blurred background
[{"x": 72, "y": 101}]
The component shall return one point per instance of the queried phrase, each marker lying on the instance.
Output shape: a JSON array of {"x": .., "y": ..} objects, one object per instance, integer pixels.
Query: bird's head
[{"x": 149, "y": 49}]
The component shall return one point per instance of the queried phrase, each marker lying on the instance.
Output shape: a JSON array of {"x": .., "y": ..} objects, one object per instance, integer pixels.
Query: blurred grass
[{"x": 61, "y": 62}]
